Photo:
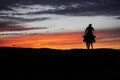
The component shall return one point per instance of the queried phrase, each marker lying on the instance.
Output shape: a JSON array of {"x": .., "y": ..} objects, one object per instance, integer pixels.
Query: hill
[
  {"x": 57, "y": 52},
  {"x": 28, "y": 63}
]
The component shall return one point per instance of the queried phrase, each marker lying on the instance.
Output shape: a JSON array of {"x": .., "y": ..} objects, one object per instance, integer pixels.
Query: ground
[{"x": 51, "y": 64}]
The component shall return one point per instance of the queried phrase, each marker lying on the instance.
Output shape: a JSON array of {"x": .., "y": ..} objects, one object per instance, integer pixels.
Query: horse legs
[
  {"x": 91, "y": 45},
  {"x": 88, "y": 45}
]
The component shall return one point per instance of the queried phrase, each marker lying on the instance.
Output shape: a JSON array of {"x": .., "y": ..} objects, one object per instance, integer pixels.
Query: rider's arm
[
  {"x": 93, "y": 29},
  {"x": 86, "y": 30}
]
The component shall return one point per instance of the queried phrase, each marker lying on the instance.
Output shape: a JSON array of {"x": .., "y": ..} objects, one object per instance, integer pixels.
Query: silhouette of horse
[{"x": 89, "y": 38}]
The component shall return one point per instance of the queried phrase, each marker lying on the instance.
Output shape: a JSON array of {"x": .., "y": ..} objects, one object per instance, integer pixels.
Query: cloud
[
  {"x": 13, "y": 26},
  {"x": 3, "y": 24},
  {"x": 9, "y": 28},
  {"x": 64, "y": 7},
  {"x": 108, "y": 34},
  {"x": 9, "y": 18},
  {"x": 117, "y": 17}
]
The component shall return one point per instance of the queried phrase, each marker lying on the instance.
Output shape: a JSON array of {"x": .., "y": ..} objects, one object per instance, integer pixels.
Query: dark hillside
[{"x": 27, "y": 63}]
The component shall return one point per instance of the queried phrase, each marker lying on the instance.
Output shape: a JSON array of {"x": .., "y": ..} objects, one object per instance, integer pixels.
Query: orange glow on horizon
[{"x": 55, "y": 41}]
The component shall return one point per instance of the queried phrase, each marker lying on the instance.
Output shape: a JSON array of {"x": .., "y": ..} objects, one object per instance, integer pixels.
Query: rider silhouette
[{"x": 89, "y": 37}]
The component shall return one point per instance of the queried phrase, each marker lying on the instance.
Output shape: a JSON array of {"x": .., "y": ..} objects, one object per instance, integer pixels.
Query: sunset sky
[{"x": 58, "y": 24}]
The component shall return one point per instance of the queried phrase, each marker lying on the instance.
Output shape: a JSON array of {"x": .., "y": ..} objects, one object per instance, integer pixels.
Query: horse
[{"x": 89, "y": 39}]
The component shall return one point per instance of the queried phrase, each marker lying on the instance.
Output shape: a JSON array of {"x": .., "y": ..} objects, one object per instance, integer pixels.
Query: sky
[{"x": 58, "y": 24}]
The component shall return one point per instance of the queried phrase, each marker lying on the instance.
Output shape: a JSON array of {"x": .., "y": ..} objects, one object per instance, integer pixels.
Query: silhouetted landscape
[{"x": 51, "y": 64}]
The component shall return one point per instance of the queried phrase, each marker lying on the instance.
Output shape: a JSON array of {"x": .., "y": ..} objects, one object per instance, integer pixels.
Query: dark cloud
[
  {"x": 3, "y": 24},
  {"x": 79, "y": 12},
  {"x": 23, "y": 19},
  {"x": 84, "y": 7},
  {"x": 12, "y": 26},
  {"x": 112, "y": 33},
  {"x": 117, "y": 17},
  {"x": 12, "y": 11}
]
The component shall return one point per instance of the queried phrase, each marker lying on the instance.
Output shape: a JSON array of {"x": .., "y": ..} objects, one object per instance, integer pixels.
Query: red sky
[{"x": 59, "y": 41}]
